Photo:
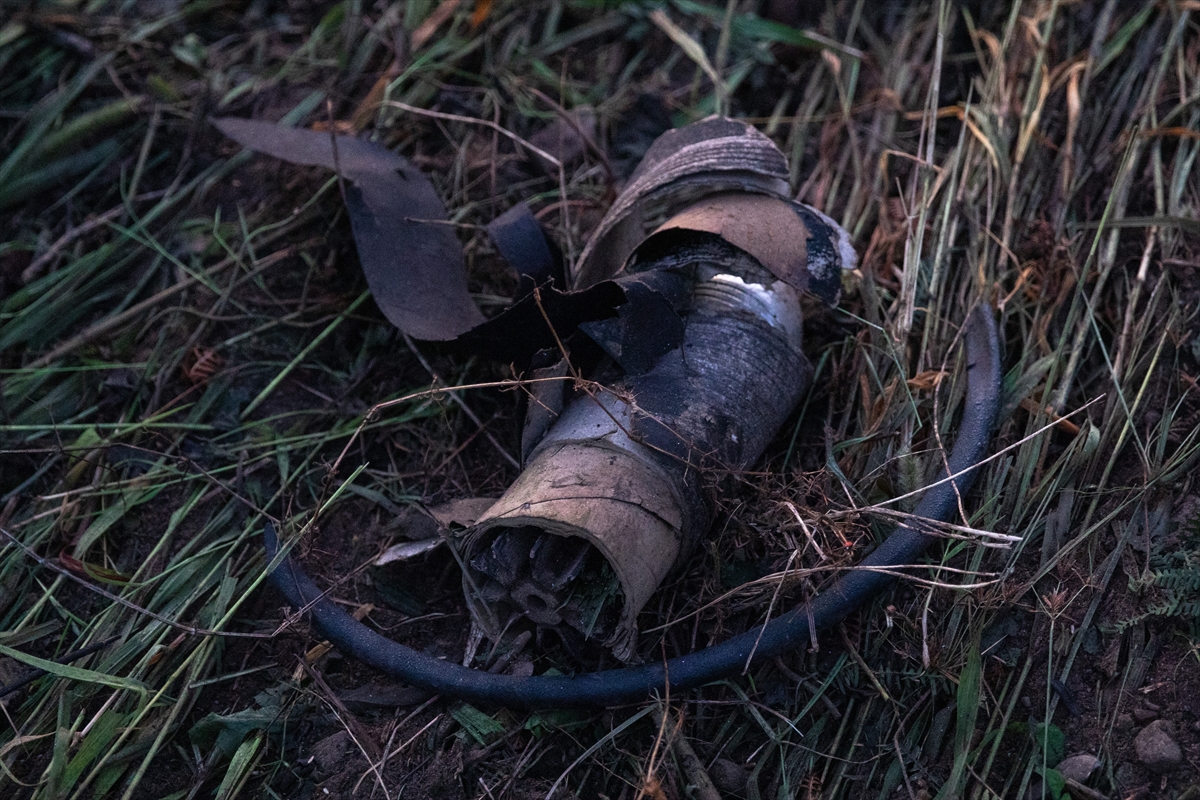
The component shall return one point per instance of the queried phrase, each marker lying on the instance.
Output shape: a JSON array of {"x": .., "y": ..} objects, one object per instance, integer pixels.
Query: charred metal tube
[{"x": 614, "y": 496}]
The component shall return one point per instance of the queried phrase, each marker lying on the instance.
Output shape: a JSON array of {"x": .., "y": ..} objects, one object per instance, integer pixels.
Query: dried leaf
[
  {"x": 425, "y": 31},
  {"x": 480, "y": 14},
  {"x": 374, "y": 696},
  {"x": 924, "y": 381},
  {"x": 690, "y": 47},
  {"x": 93, "y": 571}
]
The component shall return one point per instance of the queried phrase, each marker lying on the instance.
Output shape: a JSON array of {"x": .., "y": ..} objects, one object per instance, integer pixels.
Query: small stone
[
  {"x": 1156, "y": 749},
  {"x": 728, "y": 776},
  {"x": 1144, "y": 715},
  {"x": 327, "y": 754},
  {"x": 1124, "y": 722},
  {"x": 1078, "y": 768}
]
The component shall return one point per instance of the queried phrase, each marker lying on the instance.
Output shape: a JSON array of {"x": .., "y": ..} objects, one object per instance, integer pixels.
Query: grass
[{"x": 186, "y": 352}]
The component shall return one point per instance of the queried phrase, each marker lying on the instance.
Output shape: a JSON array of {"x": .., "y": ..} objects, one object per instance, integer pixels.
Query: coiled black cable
[{"x": 612, "y": 687}]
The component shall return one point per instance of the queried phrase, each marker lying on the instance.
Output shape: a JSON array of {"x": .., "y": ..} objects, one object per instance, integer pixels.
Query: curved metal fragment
[
  {"x": 409, "y": 252},
  {"x": 768, "y": 228},
  {"x": 683, "y": 166}
]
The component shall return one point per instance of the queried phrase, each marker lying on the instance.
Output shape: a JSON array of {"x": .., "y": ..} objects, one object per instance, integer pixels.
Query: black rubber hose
[{"x": 628, "y": 684}]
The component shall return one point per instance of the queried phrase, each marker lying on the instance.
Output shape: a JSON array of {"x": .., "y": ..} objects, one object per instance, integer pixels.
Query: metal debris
[
  {"x": 691, "y": 286},
  {"x": 705, "y": 363}
]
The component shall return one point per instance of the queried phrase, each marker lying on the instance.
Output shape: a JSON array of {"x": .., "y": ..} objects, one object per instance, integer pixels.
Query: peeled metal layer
[
  {"x": 797, "y": 243},
  {"x": 721, "y": 176},
  {"x": 767, "y": 228},
  {"x": 683, "y": 166}
]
